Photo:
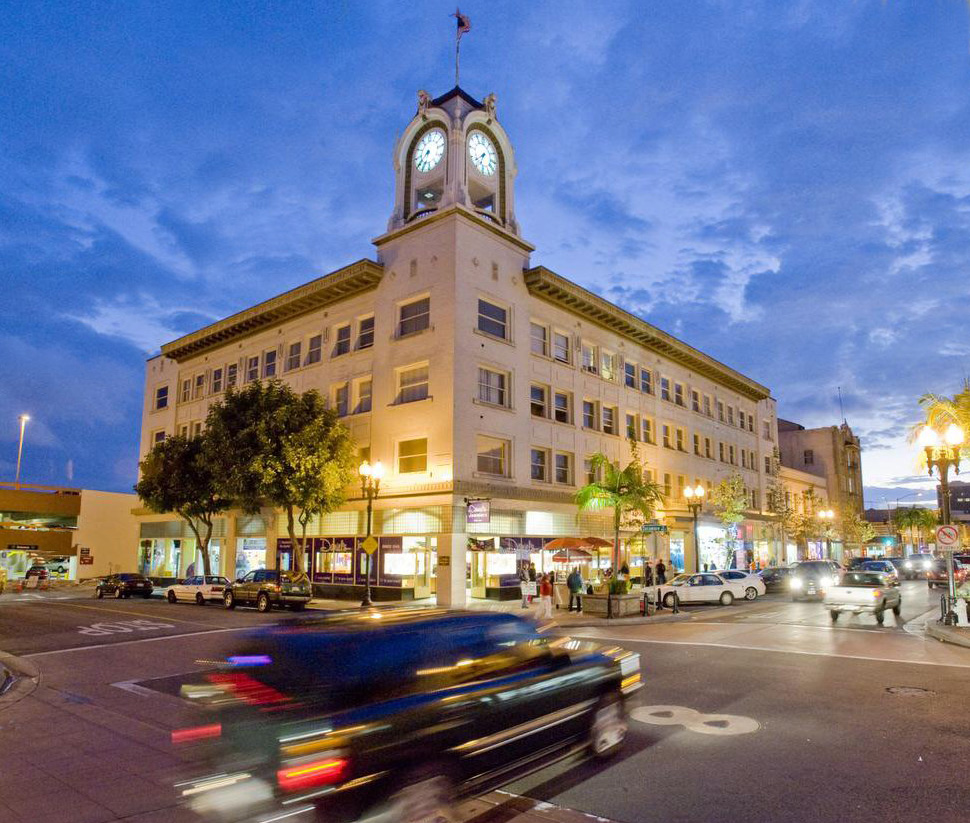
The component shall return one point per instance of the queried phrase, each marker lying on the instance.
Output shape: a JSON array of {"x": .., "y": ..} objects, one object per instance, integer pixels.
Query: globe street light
[
  {"x": 20, "y": 448},
  {"x": 942, "y": 454},
  {"x": 370, "y": 486},
  {"x": 827, "y": 516},
  {"x": 695, "y": 499}
]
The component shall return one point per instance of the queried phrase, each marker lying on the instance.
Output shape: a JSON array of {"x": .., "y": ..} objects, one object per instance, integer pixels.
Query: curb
[
  {"x": 18, "y": 678},
  {"x": 946, "y": 634},
  {"x": 623, "y": 621}
]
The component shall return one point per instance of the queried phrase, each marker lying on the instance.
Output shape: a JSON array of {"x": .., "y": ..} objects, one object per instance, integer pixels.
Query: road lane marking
[
  {"x": 134, "y": 688},
  {"x": 123, "y": 627},
  {"x": 744, "y": 647},
  {"x": 139, "y": 640},
  {"x": 138, "y": 614},
  {"x": 695, "y": 721}
]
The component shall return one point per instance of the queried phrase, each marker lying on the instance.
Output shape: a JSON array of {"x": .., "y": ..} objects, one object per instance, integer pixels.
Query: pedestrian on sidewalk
[
  {"x": 544, "y": 611},
  {"x": 556, "y": 597},
  {"x": 575, "y": 585},
  {"x": 523, "y": 581},
  {"x": 647, "y": 576},
  {"x": 661, "y": 572},
  {"x": 532, "y": 576}
]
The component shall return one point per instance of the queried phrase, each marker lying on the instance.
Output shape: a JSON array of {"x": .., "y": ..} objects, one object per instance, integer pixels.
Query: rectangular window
[
  {"x": 608, "y": 365},
  {"x": 184, "y": 430},
  {"x": 646, "y": 381},
  {"x": 560, "y": 347},
  {"x": 365, "y": 395},
  {"x": 681, "y": 482},
  {"x": 767, "y": 430},
  {"x": 741, "y": 418},
  {"x": 731, "y": 456},
  {"x": 681, "y": 438},
  {"x": 589, "y": 358},
  {"x": 341, "y": 399},
  {"x": 647, "y": 427},
  {"x": 186, "y": 391},
  {"x": 630, "y": 375},
  {"x": 695, "y": 400},
  {"x": 754, "y": 499},
  {"x": 269, "y": 363},
  {"x": 414, "y": 317},
  {"x": 158, "y": 437},
  {"x": 562, "y": 410},
  {"x": 231, "y": 375},
  {"x": 679, "y": 394},
  {"x": 539, "y": 462},
  {"x": 314, "y": 349},
  {"x": 539, "y": 401},
  {"x": 609, "y": 420},
  {"x": 539, "y": 339},
  {"x": 751, "y": 423},
  {"x": 252, "y": 369},
  {"x": 412, "y": 384},
  {"x": 665, "y": 388},
  {"x": 341, "y": 343},
  {"x": 216, "y": 381},
  {"x": 808, "y": 457},
  {"x": 564, "y": 468},
  {"x": 492, "y": 455},
  {"x": 295, "y": 356},
  {"x": 707, "y": 405},
  {"x": 198, "y": 389},
  {"x": 365, "y": 333},
  {"x": 412, "y": 456},
  {"x": 730, "y": 416},
  {"x": 667, "y": 488},
  {"x": 720, "y": 411},
  {"x": 631, "y": 427},
  {"x": 588, "y": 472},
  {"x": 697, "y": 445},
  {"x": 720, "y": 452},
  {"x": 589, "y": 414},
  {"x": 767, "y": 464},
  {"x": 197, "y": 428},
  {"x": 161, "y": 397},
  {"x": 493, "y": 320},
  {"x": 492, "y": 387},
  {"x": 707, "y": 448},
  {"x": 665, "y": 436}
]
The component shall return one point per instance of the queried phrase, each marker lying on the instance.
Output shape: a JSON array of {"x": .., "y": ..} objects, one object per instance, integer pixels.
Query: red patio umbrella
[
  {"x": 571, "y": 555},
  {"x": 566, "y": 543}
]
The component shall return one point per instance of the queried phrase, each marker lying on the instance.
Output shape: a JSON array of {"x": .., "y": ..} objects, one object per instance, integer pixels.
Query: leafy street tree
[
  {"x": 856, "y": 530},
  {"x": 270, "y": 446},
  {"x": 916, "y": 520},
  {"x": 730, "y": 501},
  {"x": 626, "y": 491},
  {"x": 778, "y": 501},
  {"x": 176, "y": 477}
]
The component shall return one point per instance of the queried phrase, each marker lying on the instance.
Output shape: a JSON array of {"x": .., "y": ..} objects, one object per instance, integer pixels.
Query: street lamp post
[
  {"x": 942, "y": 454},
  {"x": 827, "y": 516},
  {"x": 695, "y": 499},
  {"x": 370, "y": 486},
  {"x": 20, "y": 448}
]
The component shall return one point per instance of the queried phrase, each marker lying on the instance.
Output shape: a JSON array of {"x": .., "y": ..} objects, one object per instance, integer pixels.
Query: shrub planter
[{"x": 623, "y": 605}]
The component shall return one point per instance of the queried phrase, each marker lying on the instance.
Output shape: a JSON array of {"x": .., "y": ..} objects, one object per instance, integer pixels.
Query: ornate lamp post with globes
[
  {"x": 370, "y": 486},
  {"x": 942, "y": 454},
  {"x": 694, "y": 495}
]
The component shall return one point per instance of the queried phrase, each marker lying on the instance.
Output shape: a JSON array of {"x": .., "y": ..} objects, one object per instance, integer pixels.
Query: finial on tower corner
[
  {"x": 489, "y": 102},
  {"x": 424, "y": 103}
]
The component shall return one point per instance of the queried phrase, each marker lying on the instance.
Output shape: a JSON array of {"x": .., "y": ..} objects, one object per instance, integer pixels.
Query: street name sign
[
  {"x": 654, "y": 527},
  {"x": 947, "y": 535},
  {"x": 369, "y": 544}
]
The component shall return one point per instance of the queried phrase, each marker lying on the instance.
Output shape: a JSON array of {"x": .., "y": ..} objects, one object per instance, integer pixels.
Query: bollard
[
  {"x": 660, "y": 601},
  {"x": 676, "y": 604}
]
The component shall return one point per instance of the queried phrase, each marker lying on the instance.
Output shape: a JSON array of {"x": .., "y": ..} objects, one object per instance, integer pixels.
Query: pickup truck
[{"x": 863, "y": 591}]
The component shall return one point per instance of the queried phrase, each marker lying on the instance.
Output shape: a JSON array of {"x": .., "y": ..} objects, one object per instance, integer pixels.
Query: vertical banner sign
[
  {"x": 479, "y": 511},
  {"x": 393, "y": 563}
]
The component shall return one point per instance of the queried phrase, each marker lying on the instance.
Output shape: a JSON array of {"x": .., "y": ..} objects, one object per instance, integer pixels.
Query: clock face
[
  {"x": 482, "y": 153},
  {"x": 430, "y": 150}
]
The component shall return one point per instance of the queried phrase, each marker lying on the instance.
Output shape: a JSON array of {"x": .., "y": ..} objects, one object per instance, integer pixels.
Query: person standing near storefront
[
  {"x": 523, "y": 581},
  {"x": 575, "y": 585},
  {"x": 661, "y": 572},
  {"x": 545, "y": 599},
  {"x": 532, "y": 576}
]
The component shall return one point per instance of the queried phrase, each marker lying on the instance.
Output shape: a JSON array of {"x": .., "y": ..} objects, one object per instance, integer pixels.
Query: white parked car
[
  {"x": 754, "y": 586},
  {"x": 197, "y": 589},
  {"x": 705, "y": 587}
]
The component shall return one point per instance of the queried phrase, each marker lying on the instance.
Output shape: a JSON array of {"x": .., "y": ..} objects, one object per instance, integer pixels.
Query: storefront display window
[
  {"x": 250, "y": 554},
  {"x": 677, "y": 551}
]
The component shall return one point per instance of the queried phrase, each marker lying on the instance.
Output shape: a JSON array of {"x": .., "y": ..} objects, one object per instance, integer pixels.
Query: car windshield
[
  {"x": 813, "y": 568},
  {"x": 861, "y": 579},
  {"x": 131, "y": 577},
  {"x": 680, "y": 580}
]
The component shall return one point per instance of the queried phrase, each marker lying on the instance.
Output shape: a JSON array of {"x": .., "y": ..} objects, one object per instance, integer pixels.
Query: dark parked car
[
  {"x": 776, "y": 578},
  {"x": 124, "y": 585},
  {"x": 810, "y": 577},
  {"x": 884, "y": 566},
  {"x": 267, "y": 588},
  {"x": 443, "y": 704},
  {"x": 39, "y": 571},
  {"x": 936, "y": 576},
  {"x": 916, "y": 566}
]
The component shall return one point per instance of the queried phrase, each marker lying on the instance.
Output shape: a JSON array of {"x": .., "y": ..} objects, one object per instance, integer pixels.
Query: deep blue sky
[{"x": 785, "y": 185}]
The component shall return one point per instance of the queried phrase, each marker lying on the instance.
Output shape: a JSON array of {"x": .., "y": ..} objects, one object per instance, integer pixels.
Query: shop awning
[
  {"x": 572, "y": 556},
  {"x": 566, "y": 543}
]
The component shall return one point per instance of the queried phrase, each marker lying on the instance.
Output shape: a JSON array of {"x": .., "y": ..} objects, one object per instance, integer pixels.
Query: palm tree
[
  {"x": 631, "y": 496},
  {"x": 941, "y": 411}
]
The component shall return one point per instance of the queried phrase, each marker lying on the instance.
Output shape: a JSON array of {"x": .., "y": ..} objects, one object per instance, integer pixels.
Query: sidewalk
[{"x": 957, "y": 635}]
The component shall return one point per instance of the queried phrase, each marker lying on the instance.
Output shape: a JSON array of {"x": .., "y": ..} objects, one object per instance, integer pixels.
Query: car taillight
[
  {"x": 248, "y": 689},
  {"x": 312, "y": 774},
  {"x": 876, "y": 593},
  {"x": 196, "y": 733}
]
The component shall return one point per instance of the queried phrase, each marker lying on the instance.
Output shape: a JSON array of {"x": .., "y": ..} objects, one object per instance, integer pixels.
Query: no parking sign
[{"x": 947, "y": 536}]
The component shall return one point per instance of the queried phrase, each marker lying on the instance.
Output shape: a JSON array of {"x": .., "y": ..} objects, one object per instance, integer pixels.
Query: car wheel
[
  {"x": 898, "y": 608},
  {"x": 171, "y": 597},
  {"x": 99, "y": 593},
  {"x": 119, "y": 594},
  {"x": 750, "y": 593},
  {"x": 608, "y": 729},
  {"x": 229, "y": 601},
  {"x": 726, "y": 598},
  {"x": 880, "y": 615},
  {"x": 263, "y": 604},
  {"x": 424, "y": 795},
  {"x": 669, "y": 600},
  {"x": 199, "y": 599},
  {"x": 834, "y": 614}
]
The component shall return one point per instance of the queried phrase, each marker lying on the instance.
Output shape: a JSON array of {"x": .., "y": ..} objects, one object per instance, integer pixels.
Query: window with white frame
[
  {"x": 697, "y": 445},
  {"x": 667, "y": 488},
  {"x": 732, "y": 460},
  {"x": 562, "y": 407},
  {"x": 680, "y": 438},
  {"x": 158, "y": 437},
  {"x": 365, "y": 332},
  {"x": 707, "y": 448},
  {"x": 751, "y": 423},
  {"x": 341, "y": 399},
  {"x": 539, "y": 339},
  {"x": 607, "y": 365},
  {"x": 589, "y": 414},
  {"x": 646, "y": 425},
  {"x": 341, "y": 344},
  {"x": 198, "y": 387},
  {"x": 232, "y": 373},
  {"x": 741, "y": 419},
  {"x": 681, "y": 483},
  {"x": 679, "y": 394},
  {"x": 269, "y": 363},
  {"x": 589, "y": 355},
  {"x": 767, "y": 429},
  {"x": 588, "y": 472},
  {"x": 561, "y": 347},
  {"x": 492, "y": 455},
  {"x": 294, "y": 356},
  {"x": 539, "y": 400},
  {"x": 412, "y": 456},
  {"x": 609, "y": 419},
  {"x": 414, "y": 317},
  {"x": 492, "y": 386},
  {"x": 217, "y": 380},
  {"x": 665, "y": 388},
  {"x": 186, "y": 391},
  {"x": 730, "y": 415},
  {"x": 695, "y": 400},
  {"x": 252, "y": 369},
  {"x": 646, "y": 381},
  {"x": 720, "y": 411},
  {"x": 721, "y": 452},
  {"x": 665, "y": 436},
  {"x": 539, "y": 465},
  {"x": 767, "y": 464},
  {"x": 631, "y": 427},
  {"x": 707, "y": 405},
  {"x": 161, "y": 398},
  {"x": 493, "y": 320},
  {"x": 412, "y": 383},
  {"x": 564, "y": 468},
  {"x": 314, "y": 349},
  {"x": 630, "y": 375},
  {"x": 364, "y": 391},
  {"x": 197, "y": 428},
  {"x": 184, "y": 430}
]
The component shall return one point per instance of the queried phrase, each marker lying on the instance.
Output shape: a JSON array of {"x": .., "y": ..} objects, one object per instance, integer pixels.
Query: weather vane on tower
[{"x": 464, "y": 25}]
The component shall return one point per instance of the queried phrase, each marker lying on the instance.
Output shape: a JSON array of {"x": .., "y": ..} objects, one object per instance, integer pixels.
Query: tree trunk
[
  {"x": 616, "y": 542},
  {"x": 202, "y": 544},
  {"x": 297, "y": 549},
  {"x": 303, "y": 524}
]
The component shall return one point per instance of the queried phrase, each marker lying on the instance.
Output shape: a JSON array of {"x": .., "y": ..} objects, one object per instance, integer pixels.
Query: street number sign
[
  {"x": 947, "y": 535},
  {"x": 369, "y": 544}
]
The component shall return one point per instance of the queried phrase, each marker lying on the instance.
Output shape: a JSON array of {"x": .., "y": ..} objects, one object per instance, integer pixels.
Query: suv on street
[
  {"x": 810, "y": 577},
  {"x": 267, "y": 588},
  {"x": 124, "y": 585},
  {"x": 394, "y": 714},
  {"x": 936, "y": 576}
]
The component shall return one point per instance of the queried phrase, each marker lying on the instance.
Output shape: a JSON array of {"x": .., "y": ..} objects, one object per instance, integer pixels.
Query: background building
[
  {"x": 831, "y": 452},
  {"x": 959, "y": 501}
]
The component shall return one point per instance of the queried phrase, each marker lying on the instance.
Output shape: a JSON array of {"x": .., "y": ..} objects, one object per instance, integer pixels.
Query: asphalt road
[{"x": 852, "y": 722}]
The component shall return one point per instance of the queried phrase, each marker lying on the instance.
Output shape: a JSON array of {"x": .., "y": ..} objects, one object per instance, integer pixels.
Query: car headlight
[
  {"x": 796, "y": 582},
  {"x": 927, "y": 565},
  {"x": 908, "y": 564}
]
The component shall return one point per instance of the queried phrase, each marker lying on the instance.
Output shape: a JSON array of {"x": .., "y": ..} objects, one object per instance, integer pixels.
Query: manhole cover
[{"x": 909, "y": 691}]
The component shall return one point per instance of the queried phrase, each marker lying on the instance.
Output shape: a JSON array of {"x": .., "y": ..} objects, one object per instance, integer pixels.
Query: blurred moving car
[
  {"x": 754, "y": 586},
  {"x": 886, "y": 567},
  {"x": 267, "y": 588},
  {"x": 810, "y": 577},
  {"x": 124, "y": 585},
  {"x": 442, "y": 704},
  {"x": 863, "y": 592},
  {"x": 776, "y": 578},
  {"x": 199, "y": 589},
  {"x": 917, "y": 565},
  {"x": 3, "y": 579},
  {"x": 705, "y": 587},
  {"x": 936, "y": 576}
]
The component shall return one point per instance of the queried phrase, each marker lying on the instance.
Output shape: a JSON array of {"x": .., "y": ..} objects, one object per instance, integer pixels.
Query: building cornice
[
  {"x": 550, "y": 286},
  {"x": 459, "y": 210},
  {"x": 338, "y": 285}
]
